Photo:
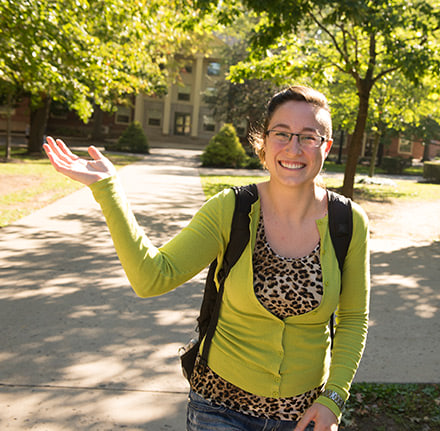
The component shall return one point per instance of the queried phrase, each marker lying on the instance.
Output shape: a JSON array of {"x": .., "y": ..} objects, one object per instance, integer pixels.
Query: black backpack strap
[
  {"x": 340, "y": 220},
  {"x": 245, "y": 196}
]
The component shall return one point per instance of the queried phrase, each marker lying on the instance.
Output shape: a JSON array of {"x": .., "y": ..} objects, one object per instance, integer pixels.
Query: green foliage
[
  {"x": 395, "y": 165},
  {"x": 353, "y": 45},
  {"x": 85, "y": 53},
  {"x": 244, "y": 101},
  {"x": 132, "y": 140},
  {"x": 399, "y": 406},
  {"x": 224, "y": 150},
  {"x": 431, "y": 171}
]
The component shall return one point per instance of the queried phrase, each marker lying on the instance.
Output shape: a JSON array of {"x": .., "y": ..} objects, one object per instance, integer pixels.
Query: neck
[{"x": 293, "y": 203}]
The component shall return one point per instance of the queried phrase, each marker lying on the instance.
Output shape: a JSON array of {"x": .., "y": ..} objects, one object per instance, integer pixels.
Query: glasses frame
[{"x": 298, "y": 135}]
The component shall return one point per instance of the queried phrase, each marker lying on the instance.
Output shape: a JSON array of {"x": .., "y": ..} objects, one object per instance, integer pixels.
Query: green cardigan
[{"x": 252, "y": 348}]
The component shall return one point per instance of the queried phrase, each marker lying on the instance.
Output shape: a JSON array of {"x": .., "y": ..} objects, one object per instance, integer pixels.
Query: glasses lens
[
  {"x": 310, "y": 140},
  {"x": 280, "y": 137}
]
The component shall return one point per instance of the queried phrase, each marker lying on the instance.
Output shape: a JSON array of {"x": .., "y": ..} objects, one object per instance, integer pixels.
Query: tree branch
[
  {"x": 344, "y": 55},
  {"x": 384, "y": 72}
]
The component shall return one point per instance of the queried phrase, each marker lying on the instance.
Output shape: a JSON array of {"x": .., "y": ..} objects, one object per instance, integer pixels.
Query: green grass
[
  {"x": 402, "y": 189},
  {"x": 331, "y": 166},
  {"x": 28, "y": 183},
  {"x": 379, "y": 406}
]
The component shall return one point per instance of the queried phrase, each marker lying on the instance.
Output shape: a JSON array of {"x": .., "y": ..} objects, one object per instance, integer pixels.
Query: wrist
[{"x": 335, "y": 397}]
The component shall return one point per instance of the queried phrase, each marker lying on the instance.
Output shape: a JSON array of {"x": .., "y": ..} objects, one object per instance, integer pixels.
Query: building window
[
  {"x": 214, "y": 69},
  {"x": 187, "y": 68},
  {"x": 184, "y": 93},
  {"x": 208, "y": 123},
  {"x": 209, "y": 95},
  {"x": 123, "y": 115},
  {"x": 182, "y": 124},
  {"x": 405, "y": 146},
  {"x": 154, "y": 117}
]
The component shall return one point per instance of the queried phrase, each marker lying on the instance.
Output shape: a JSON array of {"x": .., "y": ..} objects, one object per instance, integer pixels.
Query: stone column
[
  {"x": 139, "y": 110},
  {"x": 167, "y": 111},
  {"x": 198, "y": 79}
]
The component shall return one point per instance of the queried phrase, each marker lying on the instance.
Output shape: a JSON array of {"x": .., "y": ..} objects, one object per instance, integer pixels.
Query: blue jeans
[{"x": 204, "y": 415}]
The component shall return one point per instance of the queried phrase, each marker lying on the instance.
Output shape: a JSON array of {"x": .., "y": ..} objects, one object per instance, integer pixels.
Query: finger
[
  {"x": 305, "y": 420},
  {"x": 95, "y": 153},
  {"x": 65, "y": 150}
]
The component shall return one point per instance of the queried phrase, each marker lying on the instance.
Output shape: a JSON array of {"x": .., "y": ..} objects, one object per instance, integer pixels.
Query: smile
[{"x": 291, "y": 165}]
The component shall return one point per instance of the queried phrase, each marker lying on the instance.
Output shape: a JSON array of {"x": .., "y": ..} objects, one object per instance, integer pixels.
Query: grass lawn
[
  {"x": 29, "y": 183},
  {"x": 401, "y": 189}
]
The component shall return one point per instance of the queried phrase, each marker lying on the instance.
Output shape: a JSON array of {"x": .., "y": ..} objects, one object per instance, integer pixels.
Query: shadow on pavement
[{"x": 403, "y": 344}]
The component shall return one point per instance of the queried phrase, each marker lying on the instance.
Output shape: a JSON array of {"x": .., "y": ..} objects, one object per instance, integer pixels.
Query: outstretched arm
[{"x": 84, "y": 171}]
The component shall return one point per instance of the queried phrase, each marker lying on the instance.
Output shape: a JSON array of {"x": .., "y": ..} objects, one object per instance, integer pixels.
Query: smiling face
[{"x": 292, "y": 164}]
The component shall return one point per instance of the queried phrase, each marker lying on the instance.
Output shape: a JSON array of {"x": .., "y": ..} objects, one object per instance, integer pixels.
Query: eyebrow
[{"x": 305, "y": 129}]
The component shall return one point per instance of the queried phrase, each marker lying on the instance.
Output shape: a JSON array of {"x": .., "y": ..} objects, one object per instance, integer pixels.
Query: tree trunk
[
  {"x": 97, "y": 134},
  {"x": 8, "y": 129},
  {"x": 426, "y": 157},
  {"x": 374, "y": 154},
  {"x": 355, "y": 147},
  {"x": 39, "y": 118}
]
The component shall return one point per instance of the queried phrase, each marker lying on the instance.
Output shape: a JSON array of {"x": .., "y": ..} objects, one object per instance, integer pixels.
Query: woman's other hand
[
  {"x": 324, "y": 419},
  {"x": 84, "y": 171}
]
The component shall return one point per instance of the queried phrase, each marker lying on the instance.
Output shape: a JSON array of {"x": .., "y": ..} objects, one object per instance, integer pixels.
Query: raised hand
[{"x": 84, "y": 171}]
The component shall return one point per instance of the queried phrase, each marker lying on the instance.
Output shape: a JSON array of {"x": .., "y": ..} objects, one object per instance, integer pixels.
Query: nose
[{"x": 294, "y": 145}]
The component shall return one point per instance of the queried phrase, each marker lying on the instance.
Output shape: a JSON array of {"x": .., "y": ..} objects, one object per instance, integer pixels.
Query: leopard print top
[{"x": 285, "y": 287}]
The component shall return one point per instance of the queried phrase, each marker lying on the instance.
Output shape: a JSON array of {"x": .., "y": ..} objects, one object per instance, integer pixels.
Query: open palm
[{"x": 82, "y": 170}]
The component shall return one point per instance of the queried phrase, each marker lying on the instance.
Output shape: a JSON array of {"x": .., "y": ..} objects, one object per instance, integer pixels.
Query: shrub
[
  {"x": 132, "y": 140},
  {"x": 431, "y": 171},
  {"x": 395, "y": 165},
  {"x": 224, "y": 150}
]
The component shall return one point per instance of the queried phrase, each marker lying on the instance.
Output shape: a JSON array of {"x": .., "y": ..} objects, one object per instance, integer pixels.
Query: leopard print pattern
[{"x": 285, "y": 287}]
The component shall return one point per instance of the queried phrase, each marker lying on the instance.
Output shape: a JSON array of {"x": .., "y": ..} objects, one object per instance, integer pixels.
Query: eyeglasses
[{"x": 307, "y": 140}]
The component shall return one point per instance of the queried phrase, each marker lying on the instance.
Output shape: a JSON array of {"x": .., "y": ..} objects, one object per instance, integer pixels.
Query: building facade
[{"x": 182, "y": 117}]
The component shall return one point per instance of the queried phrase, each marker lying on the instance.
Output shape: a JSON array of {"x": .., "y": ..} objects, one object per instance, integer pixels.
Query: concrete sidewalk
[{"x": 78, "y": 349}]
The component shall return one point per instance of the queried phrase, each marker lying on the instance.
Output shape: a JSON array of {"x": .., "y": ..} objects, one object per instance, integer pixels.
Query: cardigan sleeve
[
  {"x": 352, "y": 313},
  {"x": 153, "y": 270}
]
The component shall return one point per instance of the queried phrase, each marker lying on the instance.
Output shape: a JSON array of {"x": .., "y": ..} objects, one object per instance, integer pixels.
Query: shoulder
[
  {"x": 359, "y": 214},
  {"x": 219, "y": 206}
]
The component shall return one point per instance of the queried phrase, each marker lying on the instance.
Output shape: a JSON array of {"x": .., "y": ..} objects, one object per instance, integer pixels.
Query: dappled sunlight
[
  {"x": 48, "y": 409},
  {"x": 426, "y": 311},
  {"x": 175, "y": 317},
  {"x": 93, "y": 371},
  {"x": 404, "y": 315},
  {"x": 78, "y": 347}
]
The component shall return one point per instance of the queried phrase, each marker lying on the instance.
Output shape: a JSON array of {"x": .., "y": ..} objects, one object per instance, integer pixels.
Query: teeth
[{"x": 291, "y": 165}]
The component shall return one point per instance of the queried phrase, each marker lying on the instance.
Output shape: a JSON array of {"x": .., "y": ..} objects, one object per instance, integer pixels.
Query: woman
[{"x": 270, "y": 365}]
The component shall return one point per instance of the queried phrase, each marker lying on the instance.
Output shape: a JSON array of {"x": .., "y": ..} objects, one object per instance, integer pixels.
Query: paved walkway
[{"x": 78, "y": 349}]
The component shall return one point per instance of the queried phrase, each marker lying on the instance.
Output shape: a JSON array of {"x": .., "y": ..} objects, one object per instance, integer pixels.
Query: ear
[{"x": 327, "y": 147}]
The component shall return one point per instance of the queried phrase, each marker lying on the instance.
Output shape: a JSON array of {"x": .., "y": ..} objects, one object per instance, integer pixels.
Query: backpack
[{"x": 340, "y": 226}]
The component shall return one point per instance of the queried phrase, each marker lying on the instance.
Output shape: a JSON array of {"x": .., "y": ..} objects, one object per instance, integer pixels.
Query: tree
[
  {"x": 362, "y": 39},
  {"x": 87, "y": 53},
  {"x": 233, "y": 102},
  {"x": 400, "y": 107},
  {"x": 9, "y": 97}
]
